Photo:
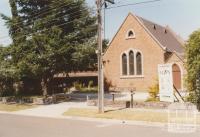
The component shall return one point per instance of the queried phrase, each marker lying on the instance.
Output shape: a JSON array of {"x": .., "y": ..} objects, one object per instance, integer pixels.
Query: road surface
[{"x": 24, "y": 126}]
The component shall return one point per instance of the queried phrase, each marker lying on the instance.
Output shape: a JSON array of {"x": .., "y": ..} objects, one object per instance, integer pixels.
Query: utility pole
[
  {"x": 100, "y": 56},
  {"x": 100, "y": 60}
]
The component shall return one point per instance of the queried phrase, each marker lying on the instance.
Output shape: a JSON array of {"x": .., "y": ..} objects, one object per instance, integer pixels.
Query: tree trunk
[{"x": 44, "y": 85}]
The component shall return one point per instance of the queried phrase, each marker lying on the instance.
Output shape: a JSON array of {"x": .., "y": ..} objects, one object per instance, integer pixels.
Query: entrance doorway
[{"x": 176, "y": 71}]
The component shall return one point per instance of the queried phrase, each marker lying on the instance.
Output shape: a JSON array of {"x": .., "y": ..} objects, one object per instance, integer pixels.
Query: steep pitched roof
[{"x": 164, "y": 35}]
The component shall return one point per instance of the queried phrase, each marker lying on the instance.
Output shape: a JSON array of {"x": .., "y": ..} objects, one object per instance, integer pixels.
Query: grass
[
  {"x": 124, "y": 114},
  {"x": 15, "y": 107}
]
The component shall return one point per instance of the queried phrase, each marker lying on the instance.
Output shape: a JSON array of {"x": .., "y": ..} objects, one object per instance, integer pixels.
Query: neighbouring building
[{"x": 133, "y": 55}]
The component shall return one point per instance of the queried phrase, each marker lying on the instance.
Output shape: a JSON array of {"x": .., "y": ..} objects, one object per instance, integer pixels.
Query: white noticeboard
[{"x": 166, "y": 82}]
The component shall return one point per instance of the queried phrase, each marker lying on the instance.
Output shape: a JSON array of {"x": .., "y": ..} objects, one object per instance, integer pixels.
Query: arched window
[
  {"x": 130, "y": 34},
  {"x": 131, "y": 63},
  {"x": 139, "y": 63},
  {"x": 124, "y": 64}
]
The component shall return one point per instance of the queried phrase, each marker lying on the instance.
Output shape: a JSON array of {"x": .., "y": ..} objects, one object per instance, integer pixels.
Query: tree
[
  {"x": 8, "y": 73},
  {"x": 193, "y": 67},
  {"x": 57, "y": 37}
]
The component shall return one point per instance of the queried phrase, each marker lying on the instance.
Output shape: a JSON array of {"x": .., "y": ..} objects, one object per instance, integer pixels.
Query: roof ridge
[
  {"x": 151, "y": 22},
  {"x": 164, "y": 35}
]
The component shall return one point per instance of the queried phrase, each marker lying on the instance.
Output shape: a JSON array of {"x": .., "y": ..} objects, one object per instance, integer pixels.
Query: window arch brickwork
[{"x": 130, "y": 34}]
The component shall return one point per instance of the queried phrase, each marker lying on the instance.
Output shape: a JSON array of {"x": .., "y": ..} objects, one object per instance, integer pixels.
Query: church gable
[
  {"x": 132, "y": 35},
  {"x": 133, "y": 55}
]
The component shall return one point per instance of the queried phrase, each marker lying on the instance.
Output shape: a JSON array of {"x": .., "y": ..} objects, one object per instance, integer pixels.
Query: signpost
[{"x": 166, "y": 82}]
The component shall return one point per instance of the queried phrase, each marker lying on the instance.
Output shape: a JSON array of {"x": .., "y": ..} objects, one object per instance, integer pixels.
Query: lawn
[
  {"x": 123, "y": 114},
  {"x": 15, "y": 107}
]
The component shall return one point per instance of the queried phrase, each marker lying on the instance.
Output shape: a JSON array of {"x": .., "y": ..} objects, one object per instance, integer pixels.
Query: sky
[{"x": 183, "y": 16}]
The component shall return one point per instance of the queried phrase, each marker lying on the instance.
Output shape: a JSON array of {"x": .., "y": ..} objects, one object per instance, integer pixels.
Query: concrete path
[{"x": 54, "y": 110}]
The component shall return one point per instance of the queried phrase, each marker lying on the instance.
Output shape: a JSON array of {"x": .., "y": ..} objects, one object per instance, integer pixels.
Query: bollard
[
  {"x": 127, "y": 104},
  {"x": 113, "y": 97},
  {"x": 132, "y": 93},
  {"x": 87, "y": 98}
]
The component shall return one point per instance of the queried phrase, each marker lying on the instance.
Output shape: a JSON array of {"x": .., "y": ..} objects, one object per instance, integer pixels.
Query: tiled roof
[{"x": 164, "y": 35}]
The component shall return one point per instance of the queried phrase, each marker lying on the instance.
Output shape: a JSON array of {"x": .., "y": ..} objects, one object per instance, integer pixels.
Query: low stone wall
[
  {"x": 123, "y": 104},
  {"x": 13, "y": 99},
  {"x": 56, "y": 98}
]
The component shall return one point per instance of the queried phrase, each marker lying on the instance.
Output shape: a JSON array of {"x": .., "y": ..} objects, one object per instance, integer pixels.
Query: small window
[
  {"x": 130, "y": 34},
  {"x": 124, "y": 64}
]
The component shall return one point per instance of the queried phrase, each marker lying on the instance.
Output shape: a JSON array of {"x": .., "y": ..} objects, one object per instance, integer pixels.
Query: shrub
[
  {"x": 90, "y": 84},
  {"x": 107, "y": 85},
  {"x": 153, "y": 92},
  {"x": 78, "y": 85},
  {"x": 87, "y": 90},
  {"x": 6, "y": 88}
]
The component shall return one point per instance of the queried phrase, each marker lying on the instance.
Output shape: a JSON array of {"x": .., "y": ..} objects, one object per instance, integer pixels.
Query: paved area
[
  {"x": 138, "y": 96},
  {"x": 54, "y": 110},
  {"x": 27, "y": 126}
]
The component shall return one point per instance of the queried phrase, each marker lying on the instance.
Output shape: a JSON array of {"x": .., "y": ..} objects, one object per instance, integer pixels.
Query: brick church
[{"x": 133, "y": 55}]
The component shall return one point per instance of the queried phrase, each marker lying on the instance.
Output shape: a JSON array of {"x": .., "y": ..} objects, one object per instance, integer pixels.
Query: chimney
[
  {"x": 165, "y": 31},
  {"x": 154, "y": 26}
]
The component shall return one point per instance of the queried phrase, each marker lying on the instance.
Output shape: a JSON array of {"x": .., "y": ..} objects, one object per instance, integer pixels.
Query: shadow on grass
[{"x": 111, "y": 110}]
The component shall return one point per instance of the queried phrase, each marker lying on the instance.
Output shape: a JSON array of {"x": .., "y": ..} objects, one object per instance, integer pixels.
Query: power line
[
  {"x": 48, "y": 9},
  {"x": 45, "y": 12},
  {"x": 49, "y": 28},
  {"x": 131, "y": 4},
  {"x": 73, "y": 13}
]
